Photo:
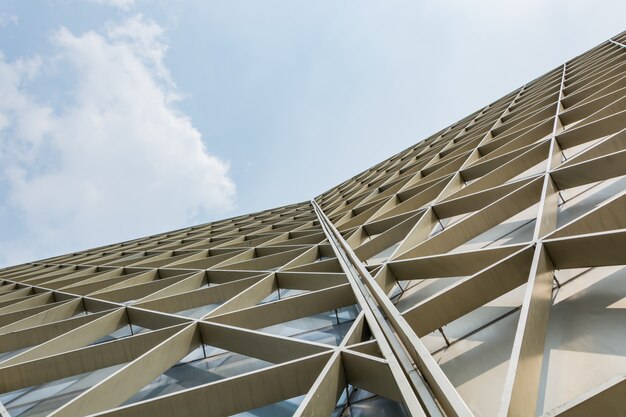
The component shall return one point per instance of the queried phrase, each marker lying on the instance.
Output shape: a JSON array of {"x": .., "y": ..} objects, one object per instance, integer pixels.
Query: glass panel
[
  {"x": 383, "y": 255},
  {"x": 363, "y": 403},
  {"x": 376, "y": 407},
  {"x": 43, "y": 399},
  {"x": 580, "y": 200},
  {"x": 198, "y": 312},
  {"x": 586, "y": 336},
  {"x": 191, "y": 374},
  {"x": 280, "y": 409},
  {"x": 8, "y": 355},
  {"x": 516, "y": 229},
  {"x": 281, "y": 294},
  {"x": 329, "y": 327},
  {"x": 120, "y": 333}
]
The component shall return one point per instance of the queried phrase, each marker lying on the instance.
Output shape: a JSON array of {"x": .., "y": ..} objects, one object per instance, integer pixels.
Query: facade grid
[{"x": 480, "y": 272}]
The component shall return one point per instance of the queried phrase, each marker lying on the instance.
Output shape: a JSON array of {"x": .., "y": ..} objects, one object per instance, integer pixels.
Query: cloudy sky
[{"x": 123, "y": 118}]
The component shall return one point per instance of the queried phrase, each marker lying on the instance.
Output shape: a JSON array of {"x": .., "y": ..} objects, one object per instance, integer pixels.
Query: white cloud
[
  {"x": 6, "y": 18},
  {"x": 121, "y": 4},
  {"x": 113, "y": 160}
]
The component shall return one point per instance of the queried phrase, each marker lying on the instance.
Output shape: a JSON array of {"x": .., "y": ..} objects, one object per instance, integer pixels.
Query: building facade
[{"x": 477, "y": 273}]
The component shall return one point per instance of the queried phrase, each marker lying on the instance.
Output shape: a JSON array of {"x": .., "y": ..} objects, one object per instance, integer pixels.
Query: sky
[{"x": 125, "y": 118}]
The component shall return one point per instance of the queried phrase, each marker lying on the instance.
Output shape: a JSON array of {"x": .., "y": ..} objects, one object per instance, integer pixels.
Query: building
[{"x": 479, "y": 272}]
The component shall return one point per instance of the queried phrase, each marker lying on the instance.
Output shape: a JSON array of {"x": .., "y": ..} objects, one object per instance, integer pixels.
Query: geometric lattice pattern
[{"x": 480, "y": 272}]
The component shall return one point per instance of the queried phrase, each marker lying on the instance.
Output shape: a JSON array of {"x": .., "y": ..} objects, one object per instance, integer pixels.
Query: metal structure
[{"x": 479, "y": 272}]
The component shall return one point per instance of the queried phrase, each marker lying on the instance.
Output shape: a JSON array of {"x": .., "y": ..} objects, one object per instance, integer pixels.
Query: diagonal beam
[
  {"x": 584, "y": 251},
  {"x": 123, "y": 384},
  {"x": 263, "y": 387},
  {"x": 521, "y": 386},
  {"x": 606, "y": 400},
  {"x": 322, "y": 397},
  {"x": 408, "y": 351},
  {"x": 469, "y": 294}
]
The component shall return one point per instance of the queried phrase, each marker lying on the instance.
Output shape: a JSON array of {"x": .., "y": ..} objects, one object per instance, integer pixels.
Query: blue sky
[{"x": 123, "y": 118}]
